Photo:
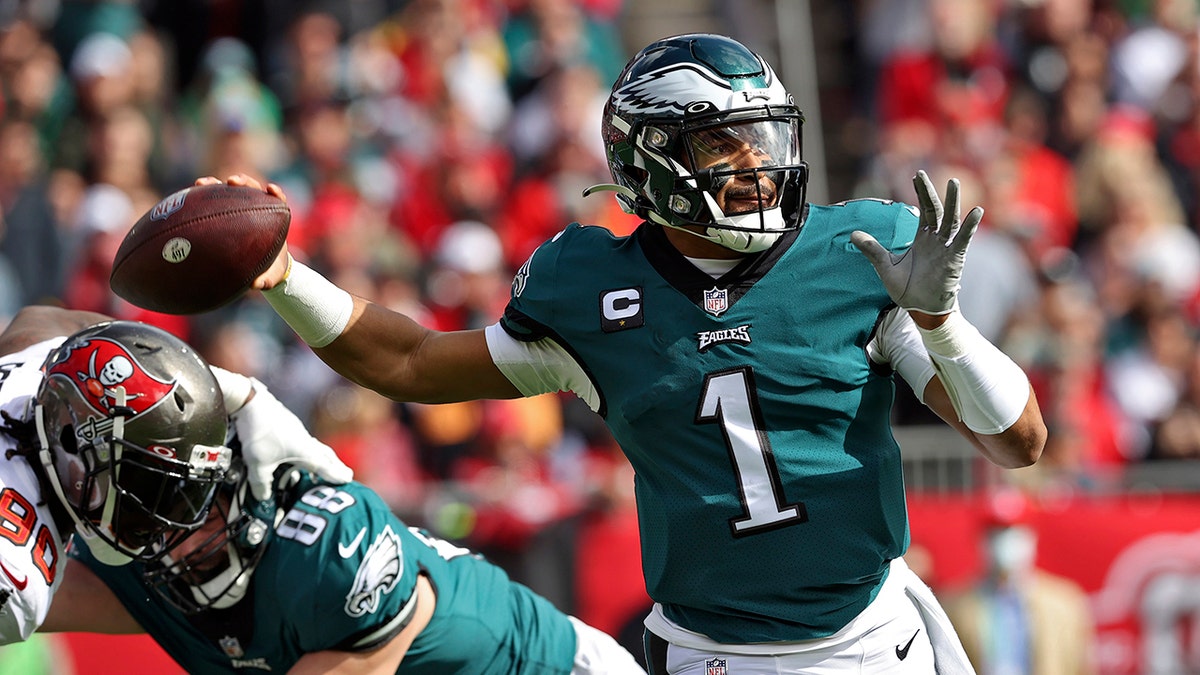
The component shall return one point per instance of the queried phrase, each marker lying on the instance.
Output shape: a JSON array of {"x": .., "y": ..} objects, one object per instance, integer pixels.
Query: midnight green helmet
[{"x": 678, "y": 113}]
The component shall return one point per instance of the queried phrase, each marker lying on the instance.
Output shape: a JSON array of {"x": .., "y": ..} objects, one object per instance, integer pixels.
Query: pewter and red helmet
[{"x": 131, "y": 426}]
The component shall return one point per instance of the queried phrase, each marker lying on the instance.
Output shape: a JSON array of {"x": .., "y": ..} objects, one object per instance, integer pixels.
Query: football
[{"x": 200, "y": 248}]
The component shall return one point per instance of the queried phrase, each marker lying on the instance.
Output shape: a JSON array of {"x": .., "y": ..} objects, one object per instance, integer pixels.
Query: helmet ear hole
[{"x": 66, "y": 439}]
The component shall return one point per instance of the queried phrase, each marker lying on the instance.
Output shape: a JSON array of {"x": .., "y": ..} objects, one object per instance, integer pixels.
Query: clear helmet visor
[
  {"x": 743, "y": 146},
  {"x": 744, "y": 172}
]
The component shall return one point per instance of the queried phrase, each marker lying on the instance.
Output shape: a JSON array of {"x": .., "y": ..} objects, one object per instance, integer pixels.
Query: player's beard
[{"x": 744, "y": 198}]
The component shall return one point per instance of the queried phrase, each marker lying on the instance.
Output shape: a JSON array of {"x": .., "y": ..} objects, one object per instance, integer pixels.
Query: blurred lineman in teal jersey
[{"x": 338, "y": 583}]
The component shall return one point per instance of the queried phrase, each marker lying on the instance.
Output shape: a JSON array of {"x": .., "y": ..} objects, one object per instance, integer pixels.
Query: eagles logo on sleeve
[
  {"x": 377, "y": 574},
  {"x": 100, "y": 365}
]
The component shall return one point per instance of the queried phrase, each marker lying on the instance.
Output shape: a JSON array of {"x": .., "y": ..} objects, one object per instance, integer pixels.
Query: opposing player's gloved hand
[
  {"x": 272, "y": 435},
  {"x": 926, "y": 277}
]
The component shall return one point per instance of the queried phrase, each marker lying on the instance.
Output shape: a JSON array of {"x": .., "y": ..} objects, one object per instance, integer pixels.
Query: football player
[
  {"x": 742, "y": 346},
  {"x": 116, "y": 431},
  {"x": 337, "y": 584}
]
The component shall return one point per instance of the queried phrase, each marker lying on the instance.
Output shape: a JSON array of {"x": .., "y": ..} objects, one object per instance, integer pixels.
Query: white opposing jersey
[{"x": 31, "y": 547}]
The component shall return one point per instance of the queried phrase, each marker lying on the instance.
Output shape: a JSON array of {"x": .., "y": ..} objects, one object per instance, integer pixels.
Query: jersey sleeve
[
  {"x": 898, "y": 344},
  {"x": 30, "y": 544},
  {"x": 892, "y": 223},
  {"x": 537, "y": 286},
  {"x": 358, "y": 584},
  {"x": 529, "y": 310},
  {"x": 30, "y": 554},
  {"x": 523, "y": 344},
  {"x": 25, "y": 594}
]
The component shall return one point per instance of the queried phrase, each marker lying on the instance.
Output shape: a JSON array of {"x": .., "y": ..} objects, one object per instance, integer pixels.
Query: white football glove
[
  {"x": 926, "y": 277},
  {"x": 272, "y": 435}
]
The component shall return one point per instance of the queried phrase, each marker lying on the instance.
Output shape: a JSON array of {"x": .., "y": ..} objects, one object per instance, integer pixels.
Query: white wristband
[
  {"x": 988, "y": 389},
  {"x": 311, "y": 304}
]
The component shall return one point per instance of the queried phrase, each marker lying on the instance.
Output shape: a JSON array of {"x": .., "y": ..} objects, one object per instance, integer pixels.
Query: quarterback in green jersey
[
  {"x": 742, "y": 346},
  {"x": 336, "y": 582}
]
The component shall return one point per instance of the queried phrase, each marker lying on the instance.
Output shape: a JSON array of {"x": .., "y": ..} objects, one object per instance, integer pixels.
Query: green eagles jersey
[
  {"x": 338, "y": 571},
  {"x": 769, "y": 487}
]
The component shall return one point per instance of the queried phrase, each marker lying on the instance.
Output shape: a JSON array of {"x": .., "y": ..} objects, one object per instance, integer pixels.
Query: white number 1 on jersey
[{"x": 729, "y": 397}]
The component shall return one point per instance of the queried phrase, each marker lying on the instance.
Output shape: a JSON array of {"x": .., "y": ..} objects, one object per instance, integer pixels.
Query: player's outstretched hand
[
  {"x": 926, "y": 277},
  {"x": 279, "y": 269}
]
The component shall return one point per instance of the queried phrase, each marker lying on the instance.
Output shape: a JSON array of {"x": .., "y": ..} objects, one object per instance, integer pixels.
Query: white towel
[{"x": 949, "y": 657}]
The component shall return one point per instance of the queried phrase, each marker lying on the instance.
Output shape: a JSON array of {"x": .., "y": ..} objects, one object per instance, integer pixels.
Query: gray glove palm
[{"x": 925, "y": 278}]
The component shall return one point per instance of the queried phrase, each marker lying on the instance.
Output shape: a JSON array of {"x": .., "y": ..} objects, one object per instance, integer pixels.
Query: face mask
[{"x": 1012, "y": 550}]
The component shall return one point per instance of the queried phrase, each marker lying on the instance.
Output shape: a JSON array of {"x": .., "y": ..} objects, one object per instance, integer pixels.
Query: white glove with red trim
[{"x": 272, "y": 435}]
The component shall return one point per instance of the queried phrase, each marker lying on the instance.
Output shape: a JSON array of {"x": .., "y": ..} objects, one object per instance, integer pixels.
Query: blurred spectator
[
  {"x": 1018, "y": 619},
  {"x": 155, "y": 98},
  {"x": 101, "y": 69},
  {"x": 464, "y": 178},
  {"x": 100, "y": 223},
  {"x": 453, "y": 48},
  {"x": 1121, "y": 154},
  {"x": 1177, "y": 435},
  {"x": 1081, "y": 100},
  {"x": 1149, "y": 57},
  {"x": 1031, "y": 188},
  {"x": 231, "y": 120},
  {"x": 103, "y": 217},
  {"x": 37, "y": 89},
  {"x": 77, "y": 20},
  {"x": 960, "y": 78},
  {"x": 468, "y": 284},
  {"x": 361, "y": 426},
  {"x": 32, "y": 237},
  {"x": 508, "y": 479},
  {"x": 1062, "y": 349},
  {"x": 565, "y": 107},
  {"x": 999, "y": 287},
  {"x": 542, "y": 36},
  {"x": 1148, "y": 379},
  {"x": 314, "y": 66},
  {"x": 119, "y": 146}
]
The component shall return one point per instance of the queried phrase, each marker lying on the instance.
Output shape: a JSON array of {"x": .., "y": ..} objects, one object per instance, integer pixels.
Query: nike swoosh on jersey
[
  {"x": 347, "y": 550},
  {"x": 902, "y": 652},
  {"x": 19, "y": 583}
]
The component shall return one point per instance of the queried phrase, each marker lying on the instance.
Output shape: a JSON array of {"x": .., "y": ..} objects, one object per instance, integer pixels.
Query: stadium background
[{"x": 427, "y": 146}]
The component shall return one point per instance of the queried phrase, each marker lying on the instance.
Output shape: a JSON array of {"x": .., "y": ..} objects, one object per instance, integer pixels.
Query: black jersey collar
[{"x": 691, "y": 281}]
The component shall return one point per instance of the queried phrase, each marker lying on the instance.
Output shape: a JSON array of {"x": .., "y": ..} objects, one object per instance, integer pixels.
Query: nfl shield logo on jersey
[
  {"x": 715, "y": 667},
  {"x": 716, "y": 301},
  {"x": 231, "y": 646}
]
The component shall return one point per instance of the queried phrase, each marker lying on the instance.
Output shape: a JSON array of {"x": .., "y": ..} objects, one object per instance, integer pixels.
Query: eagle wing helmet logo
[{"x": 676, "y": 88}]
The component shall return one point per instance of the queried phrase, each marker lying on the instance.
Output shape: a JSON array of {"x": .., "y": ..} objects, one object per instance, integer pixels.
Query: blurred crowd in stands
[
  {"x": 428, "y": 146},
  {"x": 1076, "y": 123}
]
